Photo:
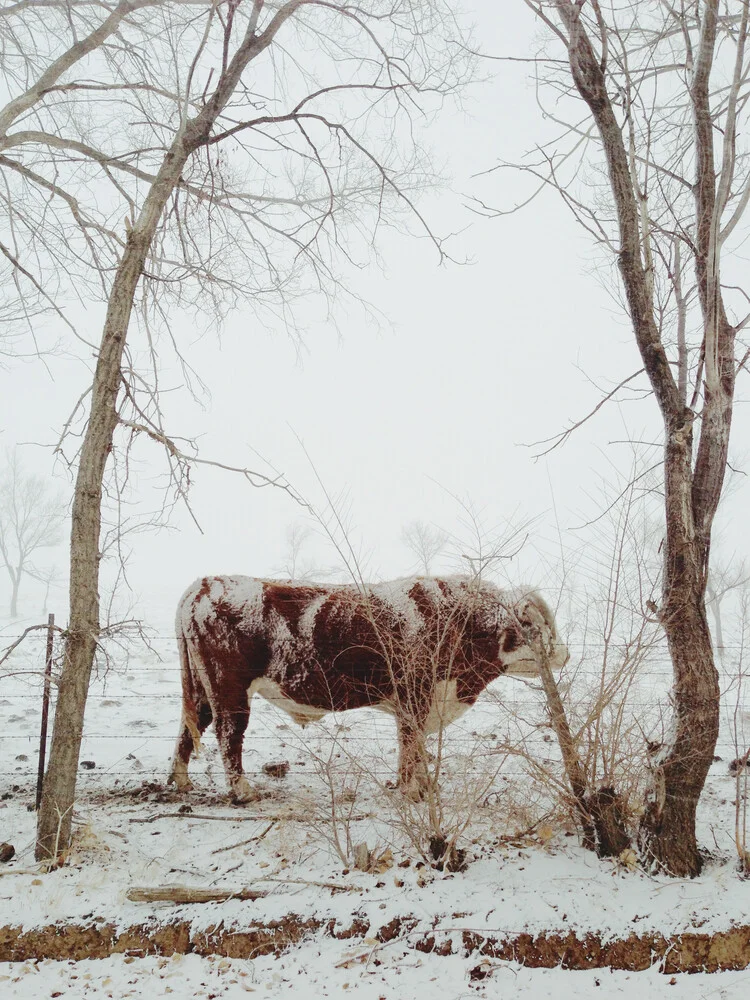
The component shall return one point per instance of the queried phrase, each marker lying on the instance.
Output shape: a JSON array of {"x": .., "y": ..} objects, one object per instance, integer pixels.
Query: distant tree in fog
[
  {"x": 425, "y": 542},
  {"x": 31, "y": 516}
]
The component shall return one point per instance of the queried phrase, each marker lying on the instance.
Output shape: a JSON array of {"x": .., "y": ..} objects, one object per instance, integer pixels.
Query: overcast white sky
[{"x": 474, "y": 362}]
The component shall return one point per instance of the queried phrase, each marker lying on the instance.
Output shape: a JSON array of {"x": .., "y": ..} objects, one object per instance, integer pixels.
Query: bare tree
[
  {"x": 31, "y": 516},
  {"x": 723, "y": 579},
  {"x": 298, "y": 566},
  {"x": 226, "y": 196},
  {"x": 425, "y": 542},
  {"x": 664, "y": 88}
]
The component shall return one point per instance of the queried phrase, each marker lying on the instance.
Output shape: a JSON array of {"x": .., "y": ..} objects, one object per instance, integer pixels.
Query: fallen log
[{"x": 189, "y": 894}]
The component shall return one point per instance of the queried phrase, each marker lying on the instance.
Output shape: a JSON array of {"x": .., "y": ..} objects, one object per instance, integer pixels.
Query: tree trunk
[
  {"x": 571, "y": 761},
  {"x": 55, "y": 814},
  {"x": 610, "y": 822},
  {"x": 667, "y": 834},
  {"x": 14, "y": 595}
]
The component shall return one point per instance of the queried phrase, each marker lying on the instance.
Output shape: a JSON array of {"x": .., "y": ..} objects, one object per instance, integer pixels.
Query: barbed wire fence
[{"x": 134, "y": 709}]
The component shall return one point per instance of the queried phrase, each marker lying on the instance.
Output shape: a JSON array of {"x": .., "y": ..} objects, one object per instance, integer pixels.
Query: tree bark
[{"x": 608, "y": 813}]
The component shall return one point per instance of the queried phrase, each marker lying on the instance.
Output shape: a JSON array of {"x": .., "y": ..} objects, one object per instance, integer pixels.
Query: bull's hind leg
[
  {"x": 230, "y": 725},
  {"x": 195, "y": 721}
]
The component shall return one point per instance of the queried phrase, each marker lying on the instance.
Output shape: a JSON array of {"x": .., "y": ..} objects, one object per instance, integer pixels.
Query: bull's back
[
  {"x": 327, "y": 648},
  {"x": 307, "y": 645},
  {"x": 219, "y": 619}
]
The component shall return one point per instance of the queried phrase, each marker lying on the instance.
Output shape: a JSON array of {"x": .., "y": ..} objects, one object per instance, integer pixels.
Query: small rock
[
  {"x": 278, "y": 769},
  {"x": 7, "y": 851},
  {"x": 88, "y": 765}
]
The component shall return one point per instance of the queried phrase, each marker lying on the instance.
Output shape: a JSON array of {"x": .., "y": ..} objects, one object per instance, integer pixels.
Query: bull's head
[{"x": 531, "y": 633}]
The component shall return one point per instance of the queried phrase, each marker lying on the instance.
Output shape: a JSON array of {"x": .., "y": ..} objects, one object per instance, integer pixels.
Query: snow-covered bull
[{"x": 421, "y": 648}]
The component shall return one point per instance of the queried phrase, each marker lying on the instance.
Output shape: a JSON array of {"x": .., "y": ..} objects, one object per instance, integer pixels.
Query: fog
[{"x": 422, "y": 403}]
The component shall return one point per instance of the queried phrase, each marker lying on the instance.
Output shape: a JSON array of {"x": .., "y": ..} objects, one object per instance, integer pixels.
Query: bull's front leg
[
  {"x": 230, "y": 726},
  {"x": 413, "y": 778}
]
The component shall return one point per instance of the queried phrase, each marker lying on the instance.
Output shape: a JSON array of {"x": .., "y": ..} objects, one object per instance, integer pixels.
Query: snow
[
  {"x": 317, "y": 972},
  {"x": 516, "y": 880},
  {"x": 403, "y": 976}
]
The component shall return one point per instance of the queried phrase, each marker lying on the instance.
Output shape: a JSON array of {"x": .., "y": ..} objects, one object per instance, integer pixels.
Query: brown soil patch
[{"x": 688, "y": 952}]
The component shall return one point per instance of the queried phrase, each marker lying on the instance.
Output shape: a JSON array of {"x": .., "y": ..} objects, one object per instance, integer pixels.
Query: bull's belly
[
  {"x": 445, "y": 706},
  {"x": 271, "y": 691}
]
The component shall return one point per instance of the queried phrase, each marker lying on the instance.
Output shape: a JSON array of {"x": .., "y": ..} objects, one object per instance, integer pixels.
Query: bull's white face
[{"x": 532, "y": 611}]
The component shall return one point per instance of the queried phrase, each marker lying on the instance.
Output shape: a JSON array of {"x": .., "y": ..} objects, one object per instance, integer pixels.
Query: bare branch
[{"x": 559, "y": 439}]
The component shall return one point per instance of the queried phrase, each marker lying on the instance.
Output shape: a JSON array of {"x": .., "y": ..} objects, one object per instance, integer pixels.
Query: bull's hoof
[
  {"x": 181, "y": 782},
  {"x": 241, "y": 792},
  {"x": 414, "y": 794},
  {"x": 413, "y": 790}
]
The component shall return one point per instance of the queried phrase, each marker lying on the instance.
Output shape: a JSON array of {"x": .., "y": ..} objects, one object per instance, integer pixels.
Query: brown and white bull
[{"x": 420, "y": 648}]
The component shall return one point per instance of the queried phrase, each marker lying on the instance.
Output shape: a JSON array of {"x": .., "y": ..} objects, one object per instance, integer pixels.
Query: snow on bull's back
[
  {"x": 210, "y": 597},
  {"x": 454, "y": 593},
  {"x": 244, "y": 595},
  {"x": 199, "y": 604}
]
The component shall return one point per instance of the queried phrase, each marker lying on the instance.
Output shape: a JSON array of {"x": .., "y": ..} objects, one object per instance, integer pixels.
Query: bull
[{"x": 420, "y": 648}]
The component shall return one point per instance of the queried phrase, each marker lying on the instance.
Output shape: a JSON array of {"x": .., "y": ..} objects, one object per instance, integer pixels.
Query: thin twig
[
  {"x": 19, "y": 640},
  {"x": 250, "y": 840}
]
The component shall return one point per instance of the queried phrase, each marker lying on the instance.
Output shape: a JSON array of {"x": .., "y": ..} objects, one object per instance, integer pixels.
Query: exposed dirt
[{"x": 688, "y": 952}]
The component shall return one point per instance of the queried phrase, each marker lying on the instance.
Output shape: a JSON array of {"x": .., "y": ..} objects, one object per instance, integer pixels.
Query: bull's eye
[{"x": 510, "y": 640}]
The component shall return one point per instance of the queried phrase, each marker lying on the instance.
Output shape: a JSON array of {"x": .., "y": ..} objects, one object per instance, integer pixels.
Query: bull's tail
[
  {"x": 196, "y": 716},
  {"x": 192, "y": 694}
]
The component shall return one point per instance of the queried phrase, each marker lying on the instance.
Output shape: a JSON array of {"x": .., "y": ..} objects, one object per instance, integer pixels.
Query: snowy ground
[
  {"x": 315, "y": 972},
  {"x": 295, "y": 843}
]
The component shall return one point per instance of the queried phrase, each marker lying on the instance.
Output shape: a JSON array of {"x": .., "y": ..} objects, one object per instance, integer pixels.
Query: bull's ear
[{"x": 510, "y": 639}]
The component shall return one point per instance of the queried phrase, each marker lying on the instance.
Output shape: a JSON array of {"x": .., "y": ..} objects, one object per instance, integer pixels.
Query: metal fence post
[{"x": 45, "y": 709}]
